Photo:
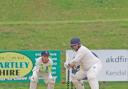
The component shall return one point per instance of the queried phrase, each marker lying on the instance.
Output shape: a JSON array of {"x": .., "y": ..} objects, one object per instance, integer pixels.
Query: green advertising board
[{"x": 17, "y": 65}]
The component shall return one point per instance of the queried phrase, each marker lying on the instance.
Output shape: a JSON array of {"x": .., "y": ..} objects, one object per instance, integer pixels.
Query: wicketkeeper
[
  {"x": 42, "y": 69},
  {"x": 90, "y": 65}
]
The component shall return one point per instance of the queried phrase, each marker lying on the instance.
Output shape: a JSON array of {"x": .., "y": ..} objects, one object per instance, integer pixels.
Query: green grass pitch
[{"x": 49, "y": 24}]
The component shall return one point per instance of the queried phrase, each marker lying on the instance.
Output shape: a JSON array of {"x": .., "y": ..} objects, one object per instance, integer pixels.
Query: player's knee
[
  {"x": 75, "y": 82},
  {"x": 74, "y": 79},
  {"x": 91, "y": 76},
  {"x": 34, "y": 79},
  {"x": 51, "y": 82}
]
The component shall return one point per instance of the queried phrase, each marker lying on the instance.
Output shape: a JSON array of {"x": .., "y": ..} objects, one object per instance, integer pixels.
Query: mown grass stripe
[{"x": 63, "y": 22}]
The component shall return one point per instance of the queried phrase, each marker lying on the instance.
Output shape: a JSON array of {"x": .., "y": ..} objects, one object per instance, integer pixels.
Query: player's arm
[
  {"x": 66, "y": 65},
  {"x": 50, "y": 66},
  {"x": 36, "y": 66},
  {"x": 76, "y": 60}
]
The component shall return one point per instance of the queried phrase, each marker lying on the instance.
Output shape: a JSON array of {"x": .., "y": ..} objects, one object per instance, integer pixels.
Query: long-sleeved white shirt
[{"x": 84, "y": 58}]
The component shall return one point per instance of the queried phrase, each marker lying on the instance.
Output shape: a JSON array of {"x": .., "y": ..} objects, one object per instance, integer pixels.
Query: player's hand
[
  {"x": 66, "y": 65},
  {"x": 71, "y": 65}
]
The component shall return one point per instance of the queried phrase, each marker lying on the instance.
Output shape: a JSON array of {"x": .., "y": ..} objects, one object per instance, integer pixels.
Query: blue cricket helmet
[
  {"x": 44, "y": 53},
  {"x": 75, "y": 41}
]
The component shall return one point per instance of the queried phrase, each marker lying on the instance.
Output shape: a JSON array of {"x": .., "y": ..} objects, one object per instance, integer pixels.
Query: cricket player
[
  {"x": 90, "y": 65},
  {"x": 42, "y": 68}
]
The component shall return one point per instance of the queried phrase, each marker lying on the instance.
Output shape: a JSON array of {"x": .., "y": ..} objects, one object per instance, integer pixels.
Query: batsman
[
  {"x": 90, "y": 65},
  {"x": 42, "y": 69}
]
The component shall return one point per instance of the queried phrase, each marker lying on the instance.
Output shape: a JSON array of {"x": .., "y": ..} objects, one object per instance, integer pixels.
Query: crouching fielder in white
[
  {"x": 90, "y": 65},
  {"x": 42, "y": 69}
]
